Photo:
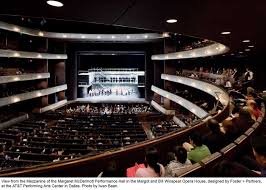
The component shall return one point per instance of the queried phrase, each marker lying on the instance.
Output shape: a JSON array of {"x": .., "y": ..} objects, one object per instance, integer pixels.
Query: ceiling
[{"x": 201, "y": 18}]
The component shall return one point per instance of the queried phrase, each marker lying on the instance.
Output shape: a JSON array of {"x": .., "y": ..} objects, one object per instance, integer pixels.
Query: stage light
[
  {"x": 251, "y": 46},
  {"x": 246, "y": 41},
  {"x": 55, "y": 3}
]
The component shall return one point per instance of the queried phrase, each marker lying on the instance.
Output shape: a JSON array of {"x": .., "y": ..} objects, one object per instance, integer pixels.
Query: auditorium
[{"x": 132, "y": 88}]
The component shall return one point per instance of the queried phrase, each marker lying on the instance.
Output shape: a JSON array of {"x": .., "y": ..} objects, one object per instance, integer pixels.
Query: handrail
[
  {"x": 209, "y": 50},
  {"x": 82, "y": 36},
  {"x": 32, "y": 55},
  {"x": 30, "y": 95},
  {"x": 23, "y": 77}
]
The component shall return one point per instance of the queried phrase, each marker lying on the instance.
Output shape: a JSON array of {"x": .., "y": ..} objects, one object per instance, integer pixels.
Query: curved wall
[
  {"x": 181, "y": 101},
  {"x": 216, "y": 92}
]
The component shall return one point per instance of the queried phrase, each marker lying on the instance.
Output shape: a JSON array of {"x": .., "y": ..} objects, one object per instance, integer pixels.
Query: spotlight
[{"x": 171, "y": 21}]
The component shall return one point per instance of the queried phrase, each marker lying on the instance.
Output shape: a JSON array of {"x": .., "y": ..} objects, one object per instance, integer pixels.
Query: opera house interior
[{"x": 132, "y": 88}]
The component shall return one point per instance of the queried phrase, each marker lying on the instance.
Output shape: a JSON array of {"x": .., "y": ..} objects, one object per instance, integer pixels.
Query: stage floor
[{"x": 113, "y": 99}]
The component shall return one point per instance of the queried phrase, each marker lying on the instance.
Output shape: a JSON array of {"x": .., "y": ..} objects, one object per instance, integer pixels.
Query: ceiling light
[
  {"x": 146, "y": 36},
  {"x": 246, "y": 41},
  {"x": 39, "y": 56},
  {"x": 39, "y": 94},
  {"x": 16, "y": 29},
  {"x": 83, "y": 36},
  {"x": 113, "y": 37},
  {"x": 171, "y": 21},
  {"x": 221, "y": 47},
  {"x": 193, "y": 54},
  {"x": 247, "y": 49},
  {"x": 251, "y": 46},
  {"x": 40, "y": 34},
  {"x": 58, "y": 56},
  {"x": 64, "y": 36},
  {"x": 232, "y": 54},
  {"x": 165, "y": 35},
  {"x": 128, "y": 37},
  {"x": 55, "y": 3},
  {"x": 225, "y": 33},
  {"x": 98, "y": 37},
  {"x": 16, "y": 99},
  {"x": 39, "y": 76},
  {"x": 208, "y": 52},
  {"x": 179, "y": 56},
  {"x": 16, "y": 54},
  {"x": 241, "y": 52}
]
